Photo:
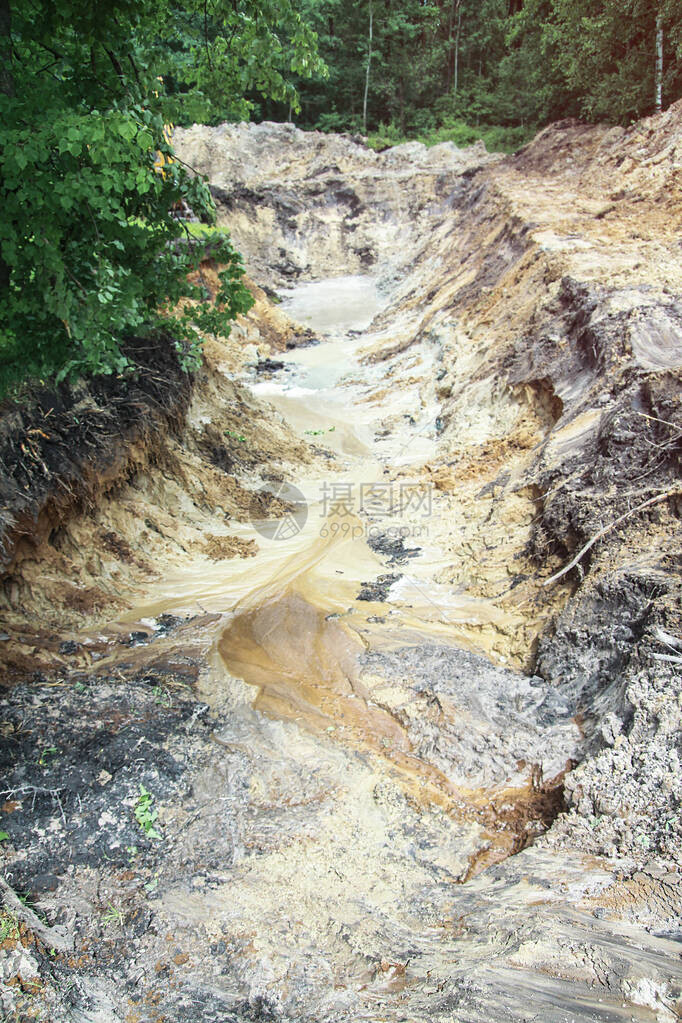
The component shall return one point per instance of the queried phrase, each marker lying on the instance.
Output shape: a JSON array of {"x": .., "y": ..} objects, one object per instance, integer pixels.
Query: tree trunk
[
  {"x": 457, "y": 38},
  {"x": 401, "y": 107},
  {"x": 6, "y": 77},
  {"x": 659, "y": 63},
  {"x": 369, "y": 64},
  {"x": 7, "y": 89},
  {"x": 451, "y": 25}
]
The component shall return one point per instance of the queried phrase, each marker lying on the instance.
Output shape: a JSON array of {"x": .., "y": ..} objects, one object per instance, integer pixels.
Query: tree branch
[
  {"x": 135, "y": 71},
  {"x": 607, "y": 529},
  {"x": 116, "y": 65}
]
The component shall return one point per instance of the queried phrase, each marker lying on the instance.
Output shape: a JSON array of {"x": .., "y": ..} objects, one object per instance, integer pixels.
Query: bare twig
[
  {"x": 655, "y": 419},
  {"x": 667, "y": 657},
  {"x": 53, "y": 937},
  {"x": 672, "y": 643},
  {"x": 607, "y": 529},
  {"x": 36, "y": 790}
]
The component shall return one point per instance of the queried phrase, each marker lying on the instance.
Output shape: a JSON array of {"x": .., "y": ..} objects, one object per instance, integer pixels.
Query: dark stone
[
  {"x": 269, "y": 366},
  {"x": 138, "y": 638},
  {"x": 392, "y": 547},
  {"x": 44, "y": 883},
  {"x": 377, "y": 590},
  {"x": 167, "y": 623},
  {"x": 139, "y": 922},
  {"x": 69, "y": 646}
]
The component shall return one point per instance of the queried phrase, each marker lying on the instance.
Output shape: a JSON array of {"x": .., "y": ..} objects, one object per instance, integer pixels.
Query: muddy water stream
[
  {"x": 376, "y": 755},
  {"x": 323, "y": 553},
  {"x": 298, "y": 621}
]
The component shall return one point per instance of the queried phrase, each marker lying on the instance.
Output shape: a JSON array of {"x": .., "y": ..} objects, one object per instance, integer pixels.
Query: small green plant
[
  {"x": 319, "y": 433},
  {"x": 162, "y": 697},
  {"x": 112, "y": 916},
  {"x": 80, "y": 687},
  {"x": 237, "y": 436},
  {"x": 9, "y": 927},
  {"x": 4, "y": 835},
  {"x": 49, "y": 751},
  {"x": 145, "y": 814}
]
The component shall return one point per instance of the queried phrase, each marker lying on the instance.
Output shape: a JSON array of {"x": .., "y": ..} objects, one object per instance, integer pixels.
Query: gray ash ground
[
  {"x": 74, "y": 756},
  {"x": 75, "y": 751}
]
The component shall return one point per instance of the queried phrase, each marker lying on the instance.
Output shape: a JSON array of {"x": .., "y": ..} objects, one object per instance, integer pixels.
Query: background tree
[
  {"x": 370, "y": 40},
  {"x": 606, "y": 54},
  {"x": 442, "y": 66}
]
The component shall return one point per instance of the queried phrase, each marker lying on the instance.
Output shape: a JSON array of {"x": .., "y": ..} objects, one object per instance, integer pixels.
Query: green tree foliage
[
  {"x": 434, "y": 63},
  {"x": 441, "y": 66},
  {"x": 405, "y": 68},
  {"x": 604, "y": 54},
  {"x": 90, "y": 250},
  {"x": 216, "y": 58}
]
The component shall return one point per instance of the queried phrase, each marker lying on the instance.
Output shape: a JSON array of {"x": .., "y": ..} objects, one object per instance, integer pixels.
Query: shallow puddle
[{"x": 336, "y": 306}]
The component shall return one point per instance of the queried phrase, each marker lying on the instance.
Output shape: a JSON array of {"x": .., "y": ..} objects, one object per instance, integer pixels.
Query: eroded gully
[
  {"x": 355, "y": 769},
  {"x": 347, "y": 574},
  {"x": 382, "y": 750}
]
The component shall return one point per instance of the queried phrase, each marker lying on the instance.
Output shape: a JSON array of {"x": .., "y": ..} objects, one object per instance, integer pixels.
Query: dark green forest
[
  {"x": 91, "y": 248},
  {"x": 497, "y": 69}
]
